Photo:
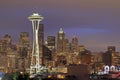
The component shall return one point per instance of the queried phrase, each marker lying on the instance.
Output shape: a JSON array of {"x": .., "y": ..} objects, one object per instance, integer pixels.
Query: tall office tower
[
  {"x": 41, "y": 42},
  {"x": 75, "y": 44},
  {"x": 112, "y": 51},
  {"x": 24, "y": 51},
  {"x": 35, "y": 60},
  {"x": 7, "y": 51},
  {"x": 7, "y": 42},
  {"x": 51, "y": 43},
  {"x": 60, "y": 41},
  {"x": 107, "y": 58},
  {"x": 67, "y": 46},
  {"x": 24, "y": 44}
]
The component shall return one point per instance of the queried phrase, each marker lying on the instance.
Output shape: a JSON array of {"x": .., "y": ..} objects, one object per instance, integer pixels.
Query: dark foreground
[{"x": 25, "y": 76}]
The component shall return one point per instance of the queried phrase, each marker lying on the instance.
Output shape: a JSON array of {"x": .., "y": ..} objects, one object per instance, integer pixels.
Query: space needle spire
[{"x": 35, "y": 66}]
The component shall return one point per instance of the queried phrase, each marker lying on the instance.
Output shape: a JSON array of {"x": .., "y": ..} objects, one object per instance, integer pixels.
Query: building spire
[{"x": 61, "y": 30}]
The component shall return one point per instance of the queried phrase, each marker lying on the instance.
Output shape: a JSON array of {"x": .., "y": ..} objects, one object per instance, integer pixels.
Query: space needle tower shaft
[{"x": 35, "y": 64}]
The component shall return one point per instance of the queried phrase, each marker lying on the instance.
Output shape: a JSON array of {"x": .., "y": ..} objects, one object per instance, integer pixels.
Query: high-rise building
[
  {"x": 60, "y": 41},
  {"x": 23, "y": 58},
  {"x": 107, "y": 58},
  {"x": 24, "y": 44},
  {"x": 75, "y": 43},
  {"x": 47, "y": 55},
  {"x": 7, "y": 54},
  {"x": 115, "y": 58},
  {"x": 114, "y": 55},
  {"x": 66, "y": 46},
  {"x": 51, "y": 43},
  {"x": 6, "y": 42},
  {"x": 41, "y": 42}
]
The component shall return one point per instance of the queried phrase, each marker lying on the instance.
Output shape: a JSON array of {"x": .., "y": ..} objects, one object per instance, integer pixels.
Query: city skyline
[{"x": 95, "y": 23}]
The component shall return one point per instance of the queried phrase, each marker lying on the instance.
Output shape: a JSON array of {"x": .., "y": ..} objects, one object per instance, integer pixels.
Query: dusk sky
[{"x": 96, "y": 23}]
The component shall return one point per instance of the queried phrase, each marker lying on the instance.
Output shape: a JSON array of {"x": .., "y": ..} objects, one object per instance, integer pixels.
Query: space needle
[{"x": 35, "y": 66}]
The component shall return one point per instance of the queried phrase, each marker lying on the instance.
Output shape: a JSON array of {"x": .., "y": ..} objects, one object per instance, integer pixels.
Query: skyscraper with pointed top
[{"x": 60, "y": 41}]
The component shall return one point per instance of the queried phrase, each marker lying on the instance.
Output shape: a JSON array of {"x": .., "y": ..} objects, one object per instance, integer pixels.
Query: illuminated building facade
[
  {"x": 5, "y": 43},
  {"x": 66, "y": 46},
  {"x": 51, "y": 43},
  {"x": 115, "y": 55},
  {"x": 60, "y": 41},
  {"x": 24, "y": 44},
  {"x": 23, "y": 61},
  {"x": 12, "y": 61},
  {"x": 8, "y": 53},
  {"x": 75, "y": 44}
]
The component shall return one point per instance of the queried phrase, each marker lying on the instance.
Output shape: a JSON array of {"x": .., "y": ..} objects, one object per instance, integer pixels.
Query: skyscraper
[
  {"x": 41, "y": 42},
  {"x": 75, "y": 44},
  {"x": 6, "y": 42},
  {"x": 66, "y": 46},
  {"x": 107, "y": 58},
  {"x": 51, "y": 43},
  {"x": 24, "y": 44},
  {"x": 60, "y": 41},
  {"x": 23, "y": 59}
]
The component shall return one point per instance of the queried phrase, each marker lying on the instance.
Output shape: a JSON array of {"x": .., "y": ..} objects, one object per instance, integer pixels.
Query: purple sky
[{"x": 95, "y": 22}]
